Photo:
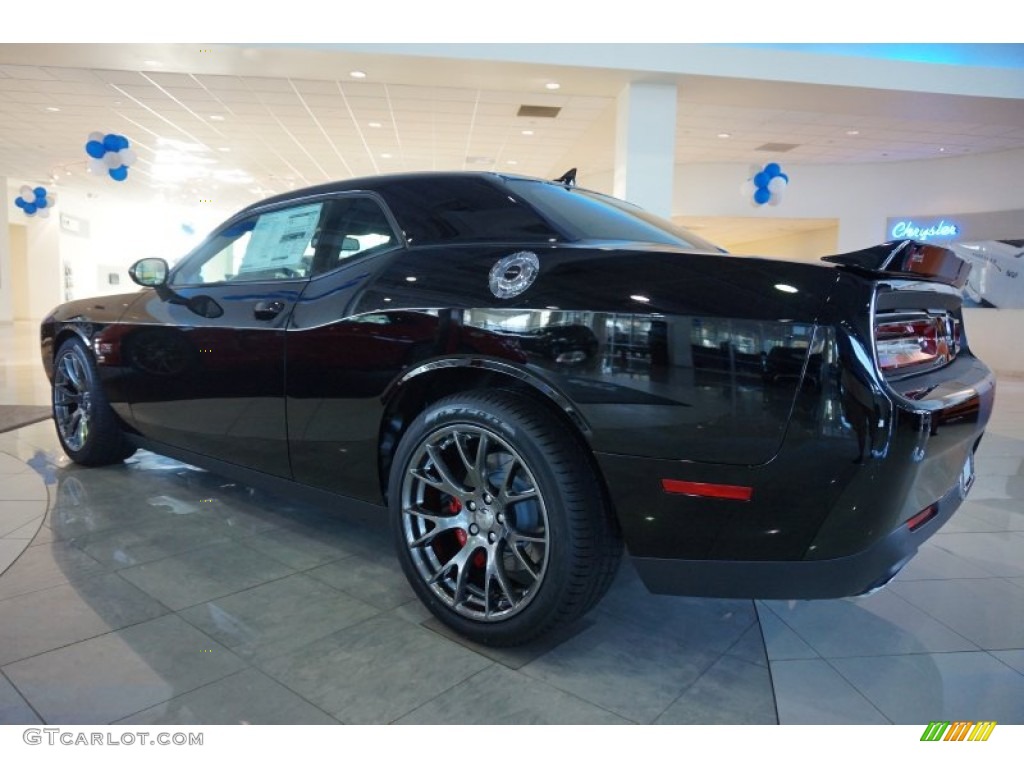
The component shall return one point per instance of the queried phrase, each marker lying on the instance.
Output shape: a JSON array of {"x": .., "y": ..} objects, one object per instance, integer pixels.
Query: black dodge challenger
[{"x": 529, "y": 375}]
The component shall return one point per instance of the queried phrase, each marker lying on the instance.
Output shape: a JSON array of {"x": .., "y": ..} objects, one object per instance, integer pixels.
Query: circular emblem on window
[{"x": 513, "y": 274}]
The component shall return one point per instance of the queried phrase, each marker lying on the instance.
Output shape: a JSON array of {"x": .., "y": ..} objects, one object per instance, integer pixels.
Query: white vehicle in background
[{"x": 997, "y": 273}]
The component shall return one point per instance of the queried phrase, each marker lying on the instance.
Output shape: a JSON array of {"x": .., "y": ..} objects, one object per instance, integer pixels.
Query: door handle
[{"x": 267, "y": 310}]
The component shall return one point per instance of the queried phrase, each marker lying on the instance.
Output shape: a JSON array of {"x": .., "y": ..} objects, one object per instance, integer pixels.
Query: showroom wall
[
  {"x": 19, "y": 270},
  {"x": 87, "y": 248},
  {"x": 6, "y": 280},
  {"x": 860, "y": 196},
  {"x": 805, "y": 245}
]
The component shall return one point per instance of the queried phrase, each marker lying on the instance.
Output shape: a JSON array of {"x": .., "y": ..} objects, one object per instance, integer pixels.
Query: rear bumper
[
  {"x": 796, "y": 580},
  {"x": 828, "y": 516}
]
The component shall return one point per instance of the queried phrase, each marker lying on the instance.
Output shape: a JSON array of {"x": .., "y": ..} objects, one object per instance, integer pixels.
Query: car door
[
  {"x": 338, "y": 363},
  {"x": 207, "y": 352}
]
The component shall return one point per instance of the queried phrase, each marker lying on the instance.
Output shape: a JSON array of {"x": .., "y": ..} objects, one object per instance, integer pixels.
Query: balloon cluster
[
  {"x": 765, "y": 185},
  {"x": 109, "y": 153},
  {"x": 33, "y": 201}
]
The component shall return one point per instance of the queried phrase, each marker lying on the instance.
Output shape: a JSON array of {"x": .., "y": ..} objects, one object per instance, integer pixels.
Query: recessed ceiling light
[
  {"x": 527, "y": 133},
  {"x": 153, "y": 63},
  {"x": 640, "y": 298},
  {"x": 552, "y": 86},
  {"x": 853, "y": 133},
  {"x": 374, "y": 125},
  {"x": 512, "y": 162},
  {"x": 410, "y": 279},
  {"x": 386, "y": 155},
  {"x": 53, "y": 109},
  {"x": 785, "y": 288},
  {"x": 942, "y": 149},
  {"x": 224, "y": 149},
  {"x": 725, "y": 135},
  {"x": 358, "y": 74},
  {"x": 218, "y": 118}
]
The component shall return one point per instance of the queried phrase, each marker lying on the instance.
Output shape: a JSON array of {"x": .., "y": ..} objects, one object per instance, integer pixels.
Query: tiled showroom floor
[{"x": 154, "y": 592}]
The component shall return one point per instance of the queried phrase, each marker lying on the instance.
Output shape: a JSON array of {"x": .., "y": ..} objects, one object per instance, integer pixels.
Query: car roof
[{"x": 375, "y": 183}]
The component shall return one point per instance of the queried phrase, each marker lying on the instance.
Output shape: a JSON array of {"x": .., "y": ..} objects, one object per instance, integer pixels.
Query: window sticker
[{"x": 281, "y": 239}]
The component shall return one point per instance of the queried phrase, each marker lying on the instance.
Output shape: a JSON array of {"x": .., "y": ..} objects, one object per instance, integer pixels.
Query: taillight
[{"x": 915, "y": 342}]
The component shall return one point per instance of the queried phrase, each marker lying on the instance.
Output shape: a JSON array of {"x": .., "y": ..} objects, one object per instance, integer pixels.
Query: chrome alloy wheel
[
  {"x": 72, "y": 402},
  {"x": 475, "y": 523}
]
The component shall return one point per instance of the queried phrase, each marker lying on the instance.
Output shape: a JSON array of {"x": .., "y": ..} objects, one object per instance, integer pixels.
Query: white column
[
  {"x": 6, "y": 296},
  {"x": 645, "y": 146},
  {"x": 45, "y": 276}
]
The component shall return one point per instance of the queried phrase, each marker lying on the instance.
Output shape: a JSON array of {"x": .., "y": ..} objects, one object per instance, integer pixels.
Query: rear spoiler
[{"x": 910, "y": 259}]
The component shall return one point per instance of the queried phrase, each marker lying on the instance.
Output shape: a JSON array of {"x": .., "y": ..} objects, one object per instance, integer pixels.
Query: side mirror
[{"x": 149, "y": 273}]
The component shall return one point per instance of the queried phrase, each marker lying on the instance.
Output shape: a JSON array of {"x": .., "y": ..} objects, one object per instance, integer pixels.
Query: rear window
[
  {"x": 584, "y": 215},
  {"x": 497, "y": 209}
]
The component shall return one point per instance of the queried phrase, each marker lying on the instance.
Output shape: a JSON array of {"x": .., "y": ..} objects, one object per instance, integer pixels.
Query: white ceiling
[{"x": 237, "y": 124}]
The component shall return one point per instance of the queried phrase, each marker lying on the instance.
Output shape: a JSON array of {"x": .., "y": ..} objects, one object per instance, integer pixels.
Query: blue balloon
[
  {"x": 39, "y": 192},
  {"x": 762, "y": 196},
  {"x": 761, "y": 180},
  {"x": 41, "y": 202},
  {"x": 29, "y": 208},
  {"x": 95, "y": 149},
  {"x": 19, "y": 202},
  {"x": 119, "y": 174},
  {"x": 773, "y": 170},
  {"x": 110, "y": 142}
]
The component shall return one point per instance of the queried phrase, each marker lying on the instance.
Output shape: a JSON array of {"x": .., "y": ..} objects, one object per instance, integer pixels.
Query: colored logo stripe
[{"x": 961, "y": 730}]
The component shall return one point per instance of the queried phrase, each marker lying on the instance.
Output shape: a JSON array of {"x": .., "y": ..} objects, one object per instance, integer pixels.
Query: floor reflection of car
[{"x": 340, "y": 343}]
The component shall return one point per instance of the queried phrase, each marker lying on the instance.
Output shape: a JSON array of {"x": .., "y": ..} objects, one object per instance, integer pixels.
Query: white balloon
[
  {"x": 97, "y": 166},
  {"x": 747, "y": 188},
  {"x": 44, "y": 213},
  {"x": 128, "y": 156},
  {"x": 112, "y": 159},
  {"x": 27, "y": 193},
  {"x": 51, "y": 198},
  {"x": 97, "y": 136},
  {"x": 777, "y": 185},
  {"x": 774, "y": 200}
]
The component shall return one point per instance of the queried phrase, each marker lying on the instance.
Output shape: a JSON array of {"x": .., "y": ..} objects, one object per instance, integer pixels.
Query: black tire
[
  {"x": 87, "y": 428},
  {"x": 500, "y": 522}
]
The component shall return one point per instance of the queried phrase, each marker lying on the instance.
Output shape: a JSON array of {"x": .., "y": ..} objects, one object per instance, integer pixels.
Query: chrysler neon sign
[{"x": 909, "y": 229}]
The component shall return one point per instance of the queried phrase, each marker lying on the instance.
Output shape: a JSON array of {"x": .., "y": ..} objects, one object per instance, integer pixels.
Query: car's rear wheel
[
  {"x": 86, "y": 426},
  {"x": 499, "y": 518}
]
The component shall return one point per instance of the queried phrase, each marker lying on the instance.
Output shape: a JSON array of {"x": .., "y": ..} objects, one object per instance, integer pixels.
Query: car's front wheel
[
  {"x": 86, "y": 426},
  {"x": 500, "y": 522}
]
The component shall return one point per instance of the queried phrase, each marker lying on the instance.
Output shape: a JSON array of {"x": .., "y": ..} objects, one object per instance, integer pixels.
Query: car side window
[
  {"x": 275, "y": 245},
  {"x": 356, "y": 227}
]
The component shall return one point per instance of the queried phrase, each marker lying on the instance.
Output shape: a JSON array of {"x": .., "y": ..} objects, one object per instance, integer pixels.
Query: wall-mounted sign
[
  {"x": 908, "y": 229},
  {"x": 74, "y": 226}
]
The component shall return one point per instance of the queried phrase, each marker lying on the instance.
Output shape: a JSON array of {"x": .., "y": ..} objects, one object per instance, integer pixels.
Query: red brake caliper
[
  {"x": 479, "y": 557},
  {"x": 455, "y": 506}
]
